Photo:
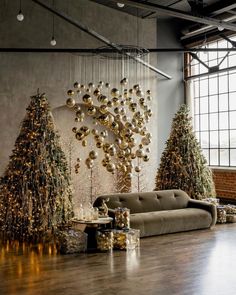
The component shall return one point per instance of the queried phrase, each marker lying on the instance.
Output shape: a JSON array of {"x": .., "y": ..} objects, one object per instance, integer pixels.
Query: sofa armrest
[{"x": 205, "y": 206}]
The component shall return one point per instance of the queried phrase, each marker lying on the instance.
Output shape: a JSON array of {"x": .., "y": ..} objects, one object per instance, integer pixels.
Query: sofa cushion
[
  {"x": 170, "y": 221},
  {"x": 147, "y": 201}
]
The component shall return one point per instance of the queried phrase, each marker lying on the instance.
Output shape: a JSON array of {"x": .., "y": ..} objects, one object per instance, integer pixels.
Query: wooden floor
[{"x": 193, "y": 263}]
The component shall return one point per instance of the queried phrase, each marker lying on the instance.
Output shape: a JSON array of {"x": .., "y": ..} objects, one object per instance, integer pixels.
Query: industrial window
[{"x": 213, "y": 97}]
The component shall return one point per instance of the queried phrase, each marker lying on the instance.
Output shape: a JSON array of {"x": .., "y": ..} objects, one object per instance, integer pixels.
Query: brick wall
[{"x": 225, "y": 183}]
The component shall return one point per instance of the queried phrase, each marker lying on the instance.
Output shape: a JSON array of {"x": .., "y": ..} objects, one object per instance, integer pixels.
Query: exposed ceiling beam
[
  {"x": 202, "y": 29},
  {"x": 219, "y": 7},
  {"x": 178, "y": 13},
  {"x": 99, "y": 37}
]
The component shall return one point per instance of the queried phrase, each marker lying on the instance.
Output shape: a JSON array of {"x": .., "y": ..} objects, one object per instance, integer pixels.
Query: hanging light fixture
[
  {"x": 53, "y": 41},
  {"x": 20, "y": 15}
]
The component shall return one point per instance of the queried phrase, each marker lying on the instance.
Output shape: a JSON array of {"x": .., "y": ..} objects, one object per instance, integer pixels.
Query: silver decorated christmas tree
[
  {"x": 35, "y": 195},
  {"x": 183, "y": 165}
]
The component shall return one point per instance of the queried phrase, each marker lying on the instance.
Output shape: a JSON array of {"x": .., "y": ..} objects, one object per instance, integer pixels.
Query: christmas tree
[
  {"x": 35, "y": 195},
  {"x": 183, "y": 165}
]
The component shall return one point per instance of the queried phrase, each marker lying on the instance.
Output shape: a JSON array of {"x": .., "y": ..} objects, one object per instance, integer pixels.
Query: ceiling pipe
[
  {"x": 178, "y": 13},
  {"x": 99, "y": 37}
]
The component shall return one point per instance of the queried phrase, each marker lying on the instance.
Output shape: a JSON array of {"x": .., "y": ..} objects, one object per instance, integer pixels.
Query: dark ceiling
[{"x": 198, "y": 18}]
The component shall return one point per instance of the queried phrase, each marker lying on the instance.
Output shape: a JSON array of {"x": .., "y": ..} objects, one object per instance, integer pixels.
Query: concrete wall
[
  {"x": 170, "y": 92},
  {"x": 21, "y": 74}
]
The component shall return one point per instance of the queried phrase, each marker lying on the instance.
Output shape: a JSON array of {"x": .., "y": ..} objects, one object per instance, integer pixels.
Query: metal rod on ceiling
[
  {"x": 178, "y": 13},
  {"x": 99, "y": 37},
  {"x": 98, "y": 51}
]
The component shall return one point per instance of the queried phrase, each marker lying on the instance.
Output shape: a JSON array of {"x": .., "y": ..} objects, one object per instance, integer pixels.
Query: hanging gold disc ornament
[{"x": 123, "y": 112}]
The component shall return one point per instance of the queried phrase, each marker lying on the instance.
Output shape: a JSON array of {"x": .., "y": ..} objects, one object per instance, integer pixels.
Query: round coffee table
[{"x": 90, "y": 227}]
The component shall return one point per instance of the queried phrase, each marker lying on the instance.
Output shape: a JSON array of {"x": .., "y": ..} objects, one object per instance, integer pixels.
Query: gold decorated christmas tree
[
  {"x": 35, "y": 195},
  {"x": 183, "y": 165}
]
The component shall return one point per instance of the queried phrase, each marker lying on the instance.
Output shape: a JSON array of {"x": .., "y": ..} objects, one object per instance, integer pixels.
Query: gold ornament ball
[
  {"x": 137, "y": 169},
  {"x": 76, "y": 85},
  {"x": 131, "y": 91},
  {"x": 139, "y": 93},
  {"x": 149, "y": 98},
  {"x": 103, "y": 109},
  {"x": 114, "y": 92},
  {"x": 129, "y": 176},
  {"x": 110, "y": 104},
  {"x": 78, "y": 92},
  {"x": 70, "y": 102},
  {"x": 95, "y": 132},
  {"x": 99, "y": 144},
  {"x": 93, "y": 155},
  {"x": 145, "y": 158},
  {"x": 79, "y": 160},
  {"x": 133, "y": 156},
  {"x": 114, "y": 126},
  {"x": 148, "y": 92},
  {"x": 103, "y": 99},
  {"x": 84, "y": 143},
  {"x": 85, "y": 130},
  {"x": 87, "y": 99},
  {"x": 70, "y": 92},
  {"x": 77, "y": 107},
  {"x": 106, "y": 147},
  {"x": 74, "y": 129},
  {"x": 118, "y": 141},
  {"x": 89, "y": 162},
  {"x": 82, "y": 87},
  {"x": 136, "y": 87},
  {"x": 111, "y": 167},
  {"x": 112, "y": 151},
  {"x": 91, "y": 111},
  {"x": 96, "y": 92},
  {"x": 107, "y": 85},
  {"x": 101, "y": 83},
  {"x": 139, "y": 153},
  {"x": 123, "y": 145},
  {"x": 91, "y": 85},
  {"x": 103, "y": 119},
  {"x": 79, "y": 135},
  {"x": 104, "y": 162},
  {"x": 115, "y": 101}
]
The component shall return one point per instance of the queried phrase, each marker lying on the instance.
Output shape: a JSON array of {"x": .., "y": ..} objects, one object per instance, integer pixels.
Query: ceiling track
[{"x": 99, "y": 37}]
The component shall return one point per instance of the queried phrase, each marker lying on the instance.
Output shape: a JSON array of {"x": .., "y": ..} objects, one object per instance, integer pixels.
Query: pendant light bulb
[
  {"x": 53, "y": 42},
  {"x": 20, "y": 16},
  {"x": 121, "y": 5},
  {"x": 220, "y": 28}
]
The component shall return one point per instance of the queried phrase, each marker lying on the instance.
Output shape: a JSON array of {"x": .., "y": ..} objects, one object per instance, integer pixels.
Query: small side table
[{"x": 91, "y": 227}]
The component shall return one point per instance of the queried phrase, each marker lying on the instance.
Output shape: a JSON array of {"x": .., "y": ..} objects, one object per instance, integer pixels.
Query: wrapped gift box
[
  {"x": 221, "y": 214},
  {"x": 231, "y": 218},
  {"x": 126, "y": 239},
  {"x": 71, "y": 241},
  {"x": 104, "y": 240},
  {"x": 122, "y": 218}
]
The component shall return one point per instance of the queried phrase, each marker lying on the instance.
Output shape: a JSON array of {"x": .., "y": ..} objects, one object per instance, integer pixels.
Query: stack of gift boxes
[
  {"x": 122, "y": 237},
  {"x": 225, "y": 213}
]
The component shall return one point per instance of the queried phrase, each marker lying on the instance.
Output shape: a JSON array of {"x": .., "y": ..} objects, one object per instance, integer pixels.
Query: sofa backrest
[{"x": 146, "y": 201}]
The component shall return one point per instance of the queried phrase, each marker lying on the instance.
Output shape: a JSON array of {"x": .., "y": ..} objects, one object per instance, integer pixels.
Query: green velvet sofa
[{"x": 162, "y": 212}]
